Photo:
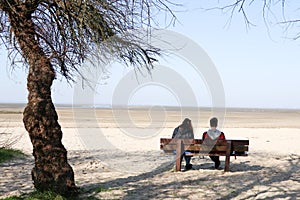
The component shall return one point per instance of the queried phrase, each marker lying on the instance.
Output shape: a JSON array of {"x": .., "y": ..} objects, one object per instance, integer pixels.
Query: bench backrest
[{"x": 237, "y": 147}]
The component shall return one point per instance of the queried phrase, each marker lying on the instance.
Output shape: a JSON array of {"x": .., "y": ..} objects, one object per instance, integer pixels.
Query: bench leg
[
  {"x": 179, "y": 155},
  {"x": 227, "y": 164},
  {"x": 227, "y": 160}
]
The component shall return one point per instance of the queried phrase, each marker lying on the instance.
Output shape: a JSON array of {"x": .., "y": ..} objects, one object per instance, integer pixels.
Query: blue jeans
[{"x": 186, "y": 158}]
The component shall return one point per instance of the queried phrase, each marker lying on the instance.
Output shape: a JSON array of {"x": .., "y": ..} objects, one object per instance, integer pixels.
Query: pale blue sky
[{"x": 259, "y": 68}]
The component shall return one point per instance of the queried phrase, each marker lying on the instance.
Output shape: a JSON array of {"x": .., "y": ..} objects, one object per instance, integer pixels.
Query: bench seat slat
[{"x": 239, "y": 148}]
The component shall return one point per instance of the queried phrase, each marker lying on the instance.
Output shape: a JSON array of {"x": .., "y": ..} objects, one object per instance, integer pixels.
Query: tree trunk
[{"x": 51, "y": 170}]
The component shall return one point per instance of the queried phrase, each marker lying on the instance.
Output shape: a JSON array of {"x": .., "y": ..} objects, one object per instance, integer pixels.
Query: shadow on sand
[{"x": 244, "y": 181}]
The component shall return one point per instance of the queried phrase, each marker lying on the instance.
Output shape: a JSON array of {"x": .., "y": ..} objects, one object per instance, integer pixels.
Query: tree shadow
[
  {"x": 16, "y": 174},
  {"x": 207, "y": 164},
  {"x": 168, "y": 166},
  {"x": 272, "y": 177},
  {"x": 244, "y": 181}
]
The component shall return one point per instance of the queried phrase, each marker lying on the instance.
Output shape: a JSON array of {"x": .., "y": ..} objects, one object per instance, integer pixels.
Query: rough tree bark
[{"x": 51, "y": 170}]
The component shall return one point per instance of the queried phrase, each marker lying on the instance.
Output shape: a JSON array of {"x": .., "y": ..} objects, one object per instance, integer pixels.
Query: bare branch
[{"x": 68, "y": 31}]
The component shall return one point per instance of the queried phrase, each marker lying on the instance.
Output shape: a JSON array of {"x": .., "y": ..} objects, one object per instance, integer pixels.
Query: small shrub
[
  {"x": 45, "y": 196},
  {"x": 8, "y": 154},
  {"x": 38, "y": 196}
]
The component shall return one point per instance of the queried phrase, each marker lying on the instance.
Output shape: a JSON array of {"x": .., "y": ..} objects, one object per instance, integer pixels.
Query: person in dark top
[
  {"x": 185, "y": 131},
  {"x": 211, "y": 136}
]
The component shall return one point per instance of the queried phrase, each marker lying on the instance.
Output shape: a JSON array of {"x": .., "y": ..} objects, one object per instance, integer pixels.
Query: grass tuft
[
  {"x": 101, "y": 189},
  {"x": 38, "y": 196},
  {"x": 8, "y": 154},
  {"x": 48, "y": 195}
]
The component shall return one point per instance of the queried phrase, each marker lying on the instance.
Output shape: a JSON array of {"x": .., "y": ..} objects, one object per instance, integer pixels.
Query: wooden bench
[{"x": 198, "y": 148}]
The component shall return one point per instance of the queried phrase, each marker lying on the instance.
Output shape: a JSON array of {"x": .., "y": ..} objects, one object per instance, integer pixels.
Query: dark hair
[
  {"x": 187, "y": 124},
  {"x": 214, "y": 122},
  {"x": 186, "y": 121}
]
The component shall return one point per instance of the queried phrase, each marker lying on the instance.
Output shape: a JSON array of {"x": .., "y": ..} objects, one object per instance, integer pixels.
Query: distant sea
[{"x": 108, "y": 106}]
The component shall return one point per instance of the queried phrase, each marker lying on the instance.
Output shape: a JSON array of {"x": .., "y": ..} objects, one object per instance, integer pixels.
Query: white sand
[{"x": 124, "y": 155}]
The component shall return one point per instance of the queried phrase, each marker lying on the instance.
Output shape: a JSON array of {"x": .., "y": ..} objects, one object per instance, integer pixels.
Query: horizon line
[{"x": 107, "y": 106}]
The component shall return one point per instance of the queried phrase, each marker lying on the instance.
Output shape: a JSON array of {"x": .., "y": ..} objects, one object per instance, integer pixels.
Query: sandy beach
[{"x": 117, "y": 149}]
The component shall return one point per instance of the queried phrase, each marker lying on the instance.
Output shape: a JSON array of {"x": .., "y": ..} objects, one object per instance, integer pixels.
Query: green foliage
[
  {"x": 8, "y": 154},
  {"x": 12, "y": 198},
  {"x": 101, "y": 189},
  {"x": 45, "y": 196},
  {"x": 48, "y": 195},
  {"x": 38, "y": 196}
]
